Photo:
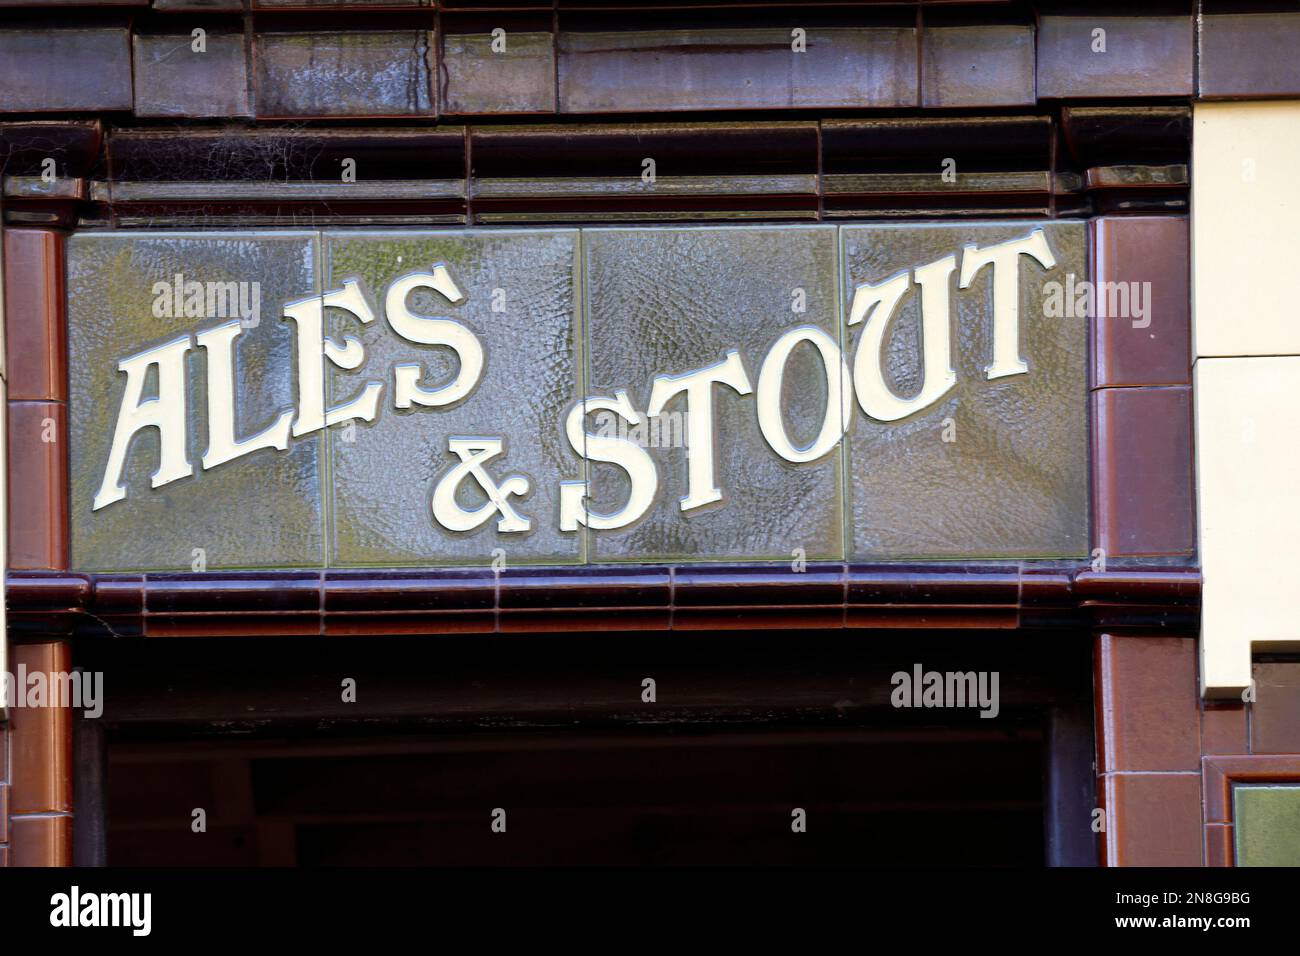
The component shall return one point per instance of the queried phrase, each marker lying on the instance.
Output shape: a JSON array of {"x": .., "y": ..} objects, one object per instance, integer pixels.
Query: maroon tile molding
[{"x": 602, "y": 597}]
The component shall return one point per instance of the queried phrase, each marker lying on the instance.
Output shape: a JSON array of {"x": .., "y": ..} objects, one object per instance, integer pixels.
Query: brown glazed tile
[
  {"x": 768, "y": 585},
  {"x": 584, "y": 588},
  {"x": 1218, "y": 845},
  {"x": 1144, "y": 56},
  {"x": 977, "y": 66},
  {"x": 766, "y": 618},
  {"x": 656, "y": 70},
  {"x": 45, "y": 68},
  {"x": 35, "y": 338},
  {"x": 173, "y": 79},
  {"x": 1153, "y": 819},
  {"x": 1223, "y": 728},
  {"x": 4, "y": 856},
  {"x": 284, "y": 624},
  {"x": 1148, "y": 709},
  {"x": 38, "y": 481},
  {"x": 477, "y": 80},
  {"x": 1275, "y": 715},
  {"x": 368, "y": 591},
  {"x": 359, "y": 73},
  {"x": 1220, "y": 773},
  {"x": 1144, "y": 253},
  {"x": 1143, "y": 485},
  {"x": 1250, "y": 54},
  {"x": 245, "y": 591},
  {"x": 564, "y": 620},
  {"x": 41, "y": 738},
  {"x": 367, "y": 624},
  {"x": 4, "y": 805},
  {"x": 932, "y": 617},
  {"x": 41, "y": 841}
]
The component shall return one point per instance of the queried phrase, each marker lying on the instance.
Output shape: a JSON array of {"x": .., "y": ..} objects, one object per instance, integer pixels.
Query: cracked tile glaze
[
  {"x": 1013, "y": 482},
  {"x": 262, "y": 511},
  {"x": 382, "y": 483}
]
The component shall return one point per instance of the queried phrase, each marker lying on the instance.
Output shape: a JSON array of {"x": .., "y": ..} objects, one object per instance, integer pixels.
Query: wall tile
[
  {"x": 1266, "y": 824},
  {"x": 1245, "y": 186},
  {"x": 1013, "y": 482},
  {"x": 1275, "y": 715},
  {"x": 670, "y": 301},
  {"x": 382, "y": 482},
  {"x": 1144, "y": 56},
  {"x": 742, "y": 68},
  {"x": 262, "y": 510},
  {"x": 1246, "y": 465},
  {"x": 519, "y": 80},
  {"x": 1223, "y": 728},
  {"x": 41, "y": 738},
  {"x": 978, "y": 66},
  {"x": 1148, "y": 710},
  {"x": 33, "y": 313},
  {"x": 1143, "y": 483},
  {"x": 59, "y": 69},
  {"x": 171, "y": 79},
  {"x": 1149, "y": 254},
  {"x": 376, "y": 73},
  {"x": 1250, "y": 54},
  {"x": 1153, "y": 819},
  {"x": 41, "y": 841},
  {"x": 38, "y": 480}
]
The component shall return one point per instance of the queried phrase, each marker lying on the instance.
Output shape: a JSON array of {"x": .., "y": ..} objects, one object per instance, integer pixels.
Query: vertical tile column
[
  {"x": 4, "y": 561},
  {"x": 1246, "y": 340},
  {"x": 1148, "y": 712},
  {"x": 38, "y": 822}
]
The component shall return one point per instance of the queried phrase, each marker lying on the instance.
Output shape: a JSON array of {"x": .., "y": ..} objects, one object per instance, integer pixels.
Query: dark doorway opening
[{"x": 552, "y": 738}]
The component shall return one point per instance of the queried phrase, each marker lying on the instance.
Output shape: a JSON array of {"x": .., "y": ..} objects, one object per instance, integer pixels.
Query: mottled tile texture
[
  {"x": 383, "y": 481},
  {"x": 261, "y": 510},
  {"x": 1013, "y": 482},
  {"x": 671, "y": 301},
  {"x": 651, "y": 302}
]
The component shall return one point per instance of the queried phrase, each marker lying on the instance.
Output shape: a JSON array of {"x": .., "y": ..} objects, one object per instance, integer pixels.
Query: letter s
[{"x": 426, "y": 330}]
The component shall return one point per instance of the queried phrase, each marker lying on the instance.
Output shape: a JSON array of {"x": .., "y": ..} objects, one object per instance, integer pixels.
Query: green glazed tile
[
  {"x": 260, "y": 510},
  {"x": 1266, "y": 824},
  {"x": 383, "y": 481},
  {"x": 1012, "y": 480},
  {"x": 668, "y": 301}
]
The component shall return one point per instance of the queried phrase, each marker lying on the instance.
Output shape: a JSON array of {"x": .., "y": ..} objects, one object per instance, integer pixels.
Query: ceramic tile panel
[
  {"x": 263, "y": 509},
  {"x": 520, "y": 302},
  {"x": 667, "y": 302},
  {"x": 990, "y": 467}
]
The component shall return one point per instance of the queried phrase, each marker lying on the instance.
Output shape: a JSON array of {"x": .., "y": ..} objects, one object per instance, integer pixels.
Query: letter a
[{"x": 166, "y": 413}]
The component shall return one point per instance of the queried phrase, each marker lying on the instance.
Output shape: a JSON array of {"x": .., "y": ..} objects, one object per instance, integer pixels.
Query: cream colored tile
[
  {"x": 1245, "y": 228},
  {"x": 1248, "y": 496}
]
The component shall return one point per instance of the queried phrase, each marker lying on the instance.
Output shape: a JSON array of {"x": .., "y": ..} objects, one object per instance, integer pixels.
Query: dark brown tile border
[
  {"x": 600, "y": 597},
  {"x": 1221, "y": 772}
]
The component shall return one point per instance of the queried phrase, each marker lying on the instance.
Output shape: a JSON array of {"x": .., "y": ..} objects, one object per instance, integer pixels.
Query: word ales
[{"x": 874, "y": 305}]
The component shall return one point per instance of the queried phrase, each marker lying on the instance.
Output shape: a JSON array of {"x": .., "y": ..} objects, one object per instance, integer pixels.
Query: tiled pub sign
[{"x": 659, "y": 394}]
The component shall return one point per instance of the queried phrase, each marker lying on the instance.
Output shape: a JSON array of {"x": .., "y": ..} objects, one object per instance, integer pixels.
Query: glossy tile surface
[
  {"x": 1012, "y": 480},
  {"x": 672, "y": 301},
  {"x": 520, "y": 79},
  {"x": 1266, "y": 824},
  {"x": 382, "y": 482},
  {"x": 373, "y": 73},
  {"x": 174, "y": 79},
  {"x": 261, "y": 510},
  {"x": 602, "y": 72}
]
